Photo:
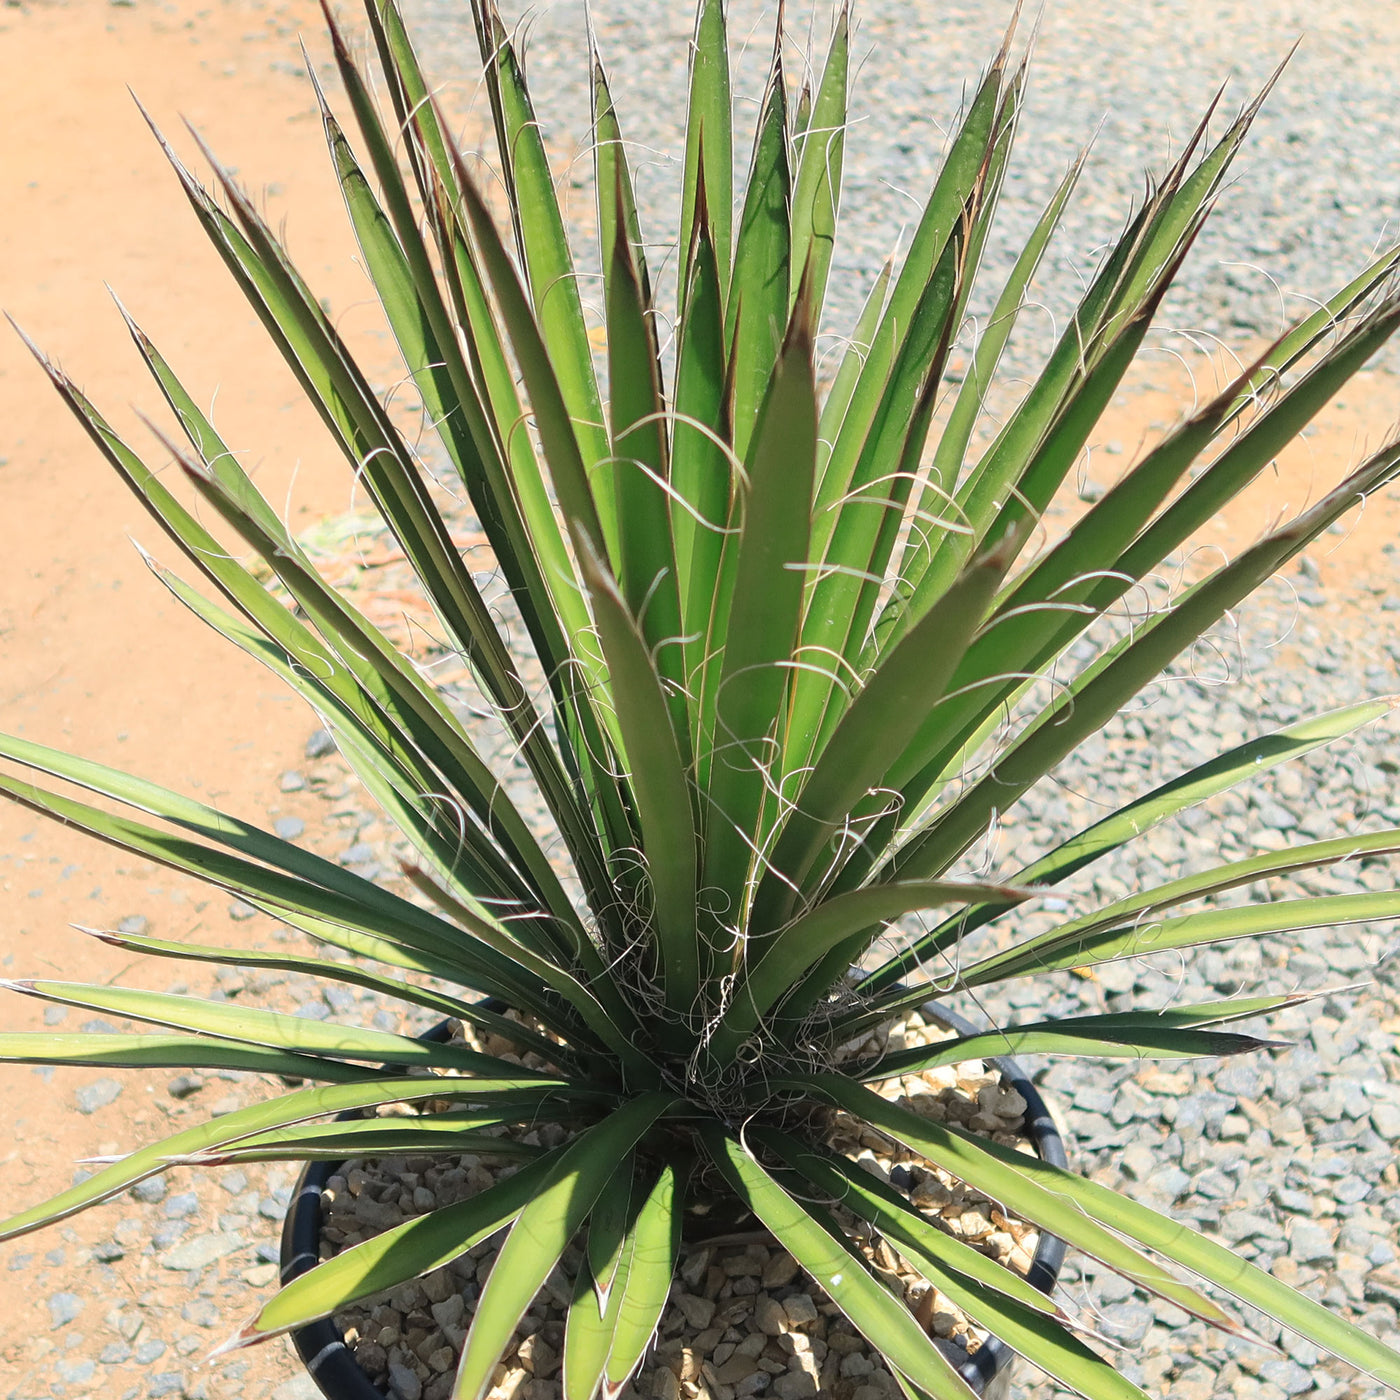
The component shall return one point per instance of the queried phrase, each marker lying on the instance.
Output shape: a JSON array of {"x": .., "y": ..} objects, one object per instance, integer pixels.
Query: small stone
[
  {"x": 1001, "y": 1101},
  {"x": 450, "y": 1312},
  {"x": 699, "y": 1312},
  {"x": 240, "y": 909},
  {"x": 149, "y": 1351},
  {"x": 203, "y": 1250},
  {"x": 183, "y": 1085},
  {"x": 736, "y": 1369},
  {"x": 1309, "y": 1243},
  {"x": 321, "y": 745},
  {"x": 1127, "y": 1323},
  {"x": 76, "y": 1372},
  {"x": 98, "y": 1094},
  {"x": 289, "y": 828},
  {"x": 133, "y": 923},
  {"x": 538, "y": 1357},
  {"x": 168, "y": 1234},
  {"x": 292, "y": 781},
  {"x": 151, "y": 1190},
  {"x": 108, "y": 1252},
  {"x": 769, "y": 1316},
  {"x": 800, "y": 1310},
  {"x": 1234, "y": 1127},
  {"x": 403, "y": 1381},
  {"x": 114, "y": 1353},
  {"x": 794, "y": 1385},
  {"x": 259, "y": 1275},
  {"x": 1290, "y": 1377},
  {"x": 181, "y": 1206},
  {"x": 299, "y": 1387},
  {"x": 780, "y": 1270},
  {"x": 63, "y": 1308}
]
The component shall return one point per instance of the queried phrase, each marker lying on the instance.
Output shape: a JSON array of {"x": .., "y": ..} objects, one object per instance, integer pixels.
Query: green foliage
[{"x": 778, "y": 622}]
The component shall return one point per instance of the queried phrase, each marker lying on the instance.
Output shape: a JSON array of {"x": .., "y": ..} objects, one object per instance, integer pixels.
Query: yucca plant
[{"x": 793, "y": 641}]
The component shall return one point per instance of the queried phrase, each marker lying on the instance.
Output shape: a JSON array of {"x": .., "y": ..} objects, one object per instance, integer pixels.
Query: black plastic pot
[
  {"x": 332, "y": 1364},
  {"x": 988, "y": 1372},
  {"x": 321, "y": 1345}
]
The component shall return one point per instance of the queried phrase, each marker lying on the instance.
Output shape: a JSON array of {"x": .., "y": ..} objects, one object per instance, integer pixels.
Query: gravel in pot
[{"x": 743, "y": 1319}]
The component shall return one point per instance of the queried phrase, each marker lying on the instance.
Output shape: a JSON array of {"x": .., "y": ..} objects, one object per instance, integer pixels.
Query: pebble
[
  {"x": 152, "y": 1189},
  {"x": 289, "y": 828},
  {"x": 98, "y": 1094},
  {"x": 403, "y": 1379},
  {"x": 183, "y": 1085},
  {"x": 202, "y": 1251},
  {"x": 321, "y": 745},
  {"x": 299, "y": 1387},
  {"x": 64, "y": 1308}
]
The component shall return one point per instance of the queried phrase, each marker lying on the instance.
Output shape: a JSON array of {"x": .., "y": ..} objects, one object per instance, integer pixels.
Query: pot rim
[{"x": 332, "y": 1365}]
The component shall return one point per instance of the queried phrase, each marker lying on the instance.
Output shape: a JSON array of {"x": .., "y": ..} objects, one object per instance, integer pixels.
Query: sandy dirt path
[{"x": 94, "y": 655}]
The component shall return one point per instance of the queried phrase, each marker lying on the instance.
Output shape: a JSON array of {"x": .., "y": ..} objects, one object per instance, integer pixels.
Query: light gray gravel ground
[
  {"x": 1291, "y": 1155},
  {"x": 1317, "y": 186}
]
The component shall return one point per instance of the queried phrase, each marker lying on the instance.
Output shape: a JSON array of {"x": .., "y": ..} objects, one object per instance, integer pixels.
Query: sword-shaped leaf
[
  {"x": 402, "y": 1252},
  {"x": 757, "y": 622},
  {"x": 758, "y": 306},
  {"x": 1212, "y": 1262},
  {"x": 1253, "y": 757},
  {"x": 297, "y": 1107},
  {"x": 657, "y": 773},
  {"x": 709, "y": 146},
  {"x": 278, "y": 1029},
  {"x": 837, "y": 1269},
  {"x": 869, "y": 1197},
  {"x": 962, "y": 169},
  {"x": 1084, "y": 708},
  {"x": 701, "y": 474},
  {"x": 820, "y": 148},
  {"x": 172, "y": 1052},
  {"x": 474, "y": 1013},
  {"x": 541, "y": 236},
  {"x": 558, "y": 1206},
  {"x": 428, "y": 1134},
  {"x": 1078, "y": 949},
  {"x": 646, "y": 567},
  {"x": 590, "y": 1326},
  {"x": 993, "y": 1296},
  {"x": 654, "y": 1241},
  {"x": 1126, "y": 1035},
  {"x": 1008, "y": 1178}
]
